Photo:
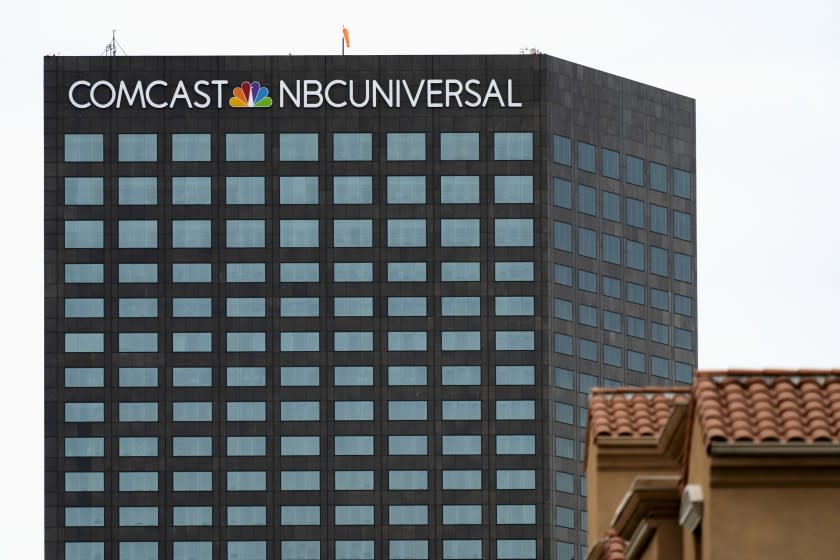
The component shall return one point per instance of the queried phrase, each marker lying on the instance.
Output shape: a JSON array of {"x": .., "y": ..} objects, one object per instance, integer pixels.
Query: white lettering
[
  {"x": 129, "y": 97},
  {"x": 200, "y": 92},
  {"x": 180, "y": 93},
  {"x": 431, "y": 92},
  {"x": 219, "y": 95},
  {"x": 416, "y": 98},
  {"x": 388, "y": 99},
  {"x": 109, "y": 87},
  {"x": 493, "y": 91},
  {"x": 312, "y": 88},
  {"x": 294, "y": 97},
  {"x": 473, "y": 92},
  {"x": 510, "y": 101},
  {"x": 327, "y": 96},
  {"x": 353, "y": 101},
  {"x": 73, "y": 101},
  {"x": 451, "y": 92},
  {"x": 149, "y": 89}
]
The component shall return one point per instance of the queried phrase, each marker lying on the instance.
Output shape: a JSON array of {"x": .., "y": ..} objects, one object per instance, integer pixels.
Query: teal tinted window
[
  {"x": 299, "y": 341},
  {"x": 298, "y": 233},
  {"x": 138, "y": 342},
  {"x": 658, "y": 219},
  {"x": 300, "y": 146},
  {"x": 659, "y": 367},
  {"x": 404, "y": 306},
  {"x": 563, "y": 344},
  {"x": 299, "y": 272},
  {"x": 513, "y": 189},
  {"x": 407, "y": 341},
  {"x": 138, "y": 147},
  {"x": 138, "y": 446},
  {"x": 587, "y": 243},
  {"x": 406, "y": 189},
  {"x": 138, "y": 234},
  {"x": 354, "y": 411},
  {"x": 191, "y": 190},
  {"x": 197, "y": 481},
  {"x": 191, "y": 234},
  {"x": 611, "y": 206},
  {"x": 407, "y": 410},
  {"x": 84, "y": 234},
  {"x": 353, "y": 341},
  {"x": 84, "y": 377},
  {"x": 587, "y": 200},
  {"x": 660, "y": 299},
  {"x": 84, "y": 446},
  {"x": 514, "y": 375},
  {"x": 682, "y": 305},
  {"x": 683, "y": 339},
  {"x": 406, "y": 375},
  {"x": 244, "y": 233},
  {"x": 562, "y": 150},
  {"x": 635, "y": 171},
  {"x": 244, "y": 147},
  {"x": 245, "y": 307},
  {"x": 513, "y": 146},
  {"x": 563, "y": 309},
  {"x": 587, "y": 281},
  {"x": 406, "y": 233},
  {"x": 461, "y": 445},
  {"x": 244, "y": 190},
  {"x": 635, "y": 213},
  {"x": 563, "y": 236},
  {"x": 406, "y": 146},
  {"x": 514, "y": 271},
  {"x": 658, "y": 261},
  {"x": 300, "y": 376},
  {"x": 84, "y": 307},
  {"x": 192, "y": 342},
  {"x": 682, "y": 183},
  {"x": 353, "y": 376},
  {"x": 192, "y": 377},
  {"x": 611, "y": 248},
  {"x": 659, "y": 332},
  {"x": 635, "y": 293},
  {"x": 634, "y": 255},
  {"x": 460, "y": 306},
  {"x": 515, "y": 444},
  {"x": 352, "y": 190},
  {"x": 248, "y": 376},
  {"x": 459, "y": 146},
  {"x": 460, "y": 375},
  {"x": 460, "y": 233},
  {"x": 138, "y": 482},
  {"x": 682, "y": 225},
  {"x": 683, "y": 268},
  {"x": 137, "y": 190},
  {"x": 353, "y": 233},
  {"x": 300, "y": 480},
  {"x": 138, "y": 377},
  {"x": 684, "y": 372},
  {"x": 408, "y": 515},
  {"x": 514, "y": 232},
  {"x": 298, "y": 190},
  {"x": 191, "y": 272},
  {"x": 636, "y": 327},
  {"x": 83, "y": 191},
  {"x": 586, "y": 157},
  {"x": 658, "y": 177},
  {"x": 408, "y": 480},
  {"x": 352, "y": 146},
  {"x": 247, "y": 446},
  {"x": 460, "y": 272},
  {"x": 138, "y": 412},
  {"x": 562, "y": 192},
  {"x": 84, "y": 412},
  {"x": 515, "y": 410},
  {"x": 462, "y": 480},
  {"x": 507, "y": 514},
  {"x": 515, "y": 305},
  {"x": 353, "y": 272},
  {"x": 244, "y": 411},
  {"x": 461, "y": 410},
  {"x": 190, "y": 147},
  {"x": 609, "y": 163},
  {"x": 459, "y": 189},
  {"x": 460, "y": 340},
  {"x": 407, "y": 445},
  {"x": 612, "y": 321},
  {"x": 514, "y": 340},
  {"x": 245, "y": 341},
  {"x": 83, "y": 147},
  {"x": 612, "y": 287},
  {"x": 406, "y": 272}
]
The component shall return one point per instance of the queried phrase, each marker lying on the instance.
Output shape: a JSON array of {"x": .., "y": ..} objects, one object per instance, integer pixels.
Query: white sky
[{"x": 765, "y": 76}]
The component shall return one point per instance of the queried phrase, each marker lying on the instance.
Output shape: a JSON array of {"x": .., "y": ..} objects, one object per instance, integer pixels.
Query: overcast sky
[{"x": 766, "y": 77}]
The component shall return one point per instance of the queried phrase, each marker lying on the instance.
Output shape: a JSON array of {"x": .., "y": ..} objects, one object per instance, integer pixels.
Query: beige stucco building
[{"x": 741, "y": 465}]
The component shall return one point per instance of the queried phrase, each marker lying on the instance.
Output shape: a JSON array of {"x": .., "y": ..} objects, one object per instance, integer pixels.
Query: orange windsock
[{"x": 346, "y": 33}]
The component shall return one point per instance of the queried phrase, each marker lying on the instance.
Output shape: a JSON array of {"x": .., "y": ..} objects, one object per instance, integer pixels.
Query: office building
[{"x": 350, "y": 307}]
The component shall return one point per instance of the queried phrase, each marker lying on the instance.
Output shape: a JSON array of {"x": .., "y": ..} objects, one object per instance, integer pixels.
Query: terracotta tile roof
[
  {"x": 632, "y": 412},
  {"x": 768, "y": 406}
]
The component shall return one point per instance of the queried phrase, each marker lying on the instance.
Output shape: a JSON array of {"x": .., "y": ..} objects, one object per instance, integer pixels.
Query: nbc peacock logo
[{"x": 250, "y": 94}]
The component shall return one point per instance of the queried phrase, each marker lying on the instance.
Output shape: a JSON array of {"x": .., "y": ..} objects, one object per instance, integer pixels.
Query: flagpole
[{"x": 342, "y": 41}]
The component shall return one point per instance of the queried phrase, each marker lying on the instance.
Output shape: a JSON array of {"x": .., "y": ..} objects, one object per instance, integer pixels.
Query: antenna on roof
[{"x": 111, "y": 47}]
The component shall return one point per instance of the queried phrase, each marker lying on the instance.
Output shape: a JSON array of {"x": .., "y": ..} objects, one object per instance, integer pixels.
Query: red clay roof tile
[{"x": 632, "y": 412}]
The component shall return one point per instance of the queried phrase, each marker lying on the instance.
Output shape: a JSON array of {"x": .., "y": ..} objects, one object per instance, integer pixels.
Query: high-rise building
[{"x": 348, "y": 308}]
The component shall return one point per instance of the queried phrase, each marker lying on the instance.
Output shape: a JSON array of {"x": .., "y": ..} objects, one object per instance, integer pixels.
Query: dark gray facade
[{"x": 341, "y": 332}]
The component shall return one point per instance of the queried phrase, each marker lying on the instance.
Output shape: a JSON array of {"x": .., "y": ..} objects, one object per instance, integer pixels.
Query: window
[
  {"x": 515, "y": 444},
  {"x": 352, "y": 146},
  {"x": 351, "y": 272},
  {"x": 586, "y": 157},
  {"x": 138, "y": 446},
  {"x": 244, "y": 147},
  {"x": 138, "y": 147},
  {"x": 635, "y": 327},
  {"x": 354, "y": 306},
  {"x": 516, "y": 515},
  {"x": 353, "y": 341},
  {"x": 190, "y": 147},
  {"x": 298, "y": 233},
  {"x": 514, "y": 375},
  {"x": 514, "y": 232},
  {"x": 189, "y": 233},
  {"x": 587, "y": 200},
  {"x": 460, "y": 271},
  {"x": 138, "y": 516},
  {"x": 84, "y": 307},
  {"x": 587, "y": 281},
  {"x": 136, "y": 412},
  {"x": 563, "y": 344},
  {"x": 561, "y": 192},
  {"x": 514, "y": 305},
  {"x": 459, "y": 233},
  {"x": 659, "y": 261},
  {"x": 564, "y": 447},
  {"x": 298, "y": 190},
  {"x": 354, "y": 550},
  {"x": 406, "y": 146},
  {"x": 298, "y": 515},
  {"x": 300, "y": 146},
  {"x": 406, "y": 307},
  {"x": 245, "y": 515},
  {"x": 294, "y": 376},
  {"x": 513, "y": 146},
  {"x": 408, "y": 480},
  {"x": 611, "y": 204},
  {"x": 458, "y": 146},
  {"x": 406, "y": 410},
  {"x": 84, "y": 412},
  {"x": 635, "y": 171},
  {"x": 562, "y": 150},
  {"x": 406, "y": 189},
  {"x": 587, "y": 243},
  {"x": 406, "y": 375},
  {"x": 84, "y": 377},
  {"x": 406, "y": 272},
  {"x": 245, "y": 411},
  {"x": 132, "y": 307},
  {"x": 354, "y": 515},
  {"x": 138, "y": 377},
  {"x": 462, "y": 515},
  {"x": 587, "y": 315},
  {"x": 244, "y": 190},
  {"x": 297, "y": 272},
  {"x": 635, "y": 213},
  {"x": 245, "y": 233},
  {"x": 406, "y": 233},
  {"x": 193, "y": 516},
  {"x": 610, "y": 250},
  {"x": 408, "y": 515},
  {"x": 461, "y": 410},
  {"x": 682, "y": 225},
  {"x": 408, "y": 550},
  {"x": 514, "y": 340},
  {"x": 191, "y": 190},
  {"x": 137, "y": 191},
  {"x": 515, "y": 410},
  {"x": 515, "y": 480},
  {"x": 353, "y": 233},
  {"x": 84, "y": 446},
  {"x": 138, "y": 342},
  {"x": 460, "y": 445},
  {"x": 658, "y": 177},
  {"x": 683, "y": 339},
  {"x": 563, "y": 236},
  {"x": 84, "y": 273},
  {"x": 192, "y": 377},
  {"x": 460, "y": 340},
  {"x": 191, "y": 272},
  {"x": 300, "y": 480},
  {"x": 682, "y": 305},
  {"x": 659, "y": 332},
  {"x": 635, "y": 361},
  {"x": 588, "y": 350},
  {"x": 246, "y": 550},
  {"x": 564, "y": 378},
  {"x": 455, "y": 189},
  {"x": 660, "y": 299},
  {"x": 513, "y": 189},
  {"x": 452, "y": 306},
  {"x": 245, "y": 307},
  {"x": 563, "y": 413},
  {"x": 684, "y": 372},
  {"x": 407, "y": 341},
  {"x": 658, "y": 219},
  {"x": 659, "y": 366},
  {"x": 634, "y": 255},
  {"x": 407, "y": 445},
  {"x": 514, "y": 271},
  {"x": 192, "y": 481},
  {"x": 138, "y": 482},
  {"x": 83, "y": 147},
  {"x": 565, "y": 517},
  {"x": 353, "y": 376},
  {"x": 682, "y": 183},
  {"x": 609, "y": 163},
  {"x": 185, "y": 446},
  {"x": 192, "y": 342},
  {"x": 612, "y": 321},
  {"x": 353, "y": 411},
  {"x": 683, "y": 268},
  {"x": 247, "y": 446},
  {"x": 563, "y": 275},
  {"x": 84, "y": 234},
  {"x": 300, "y": 411},
  {"x": 635, "y": 293},
  {"x": 354, "y": 445},
  {"x": 352, "y": 190},
  {"x": 84, "y": 516},
  {"x": 461, "y": 375}
]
